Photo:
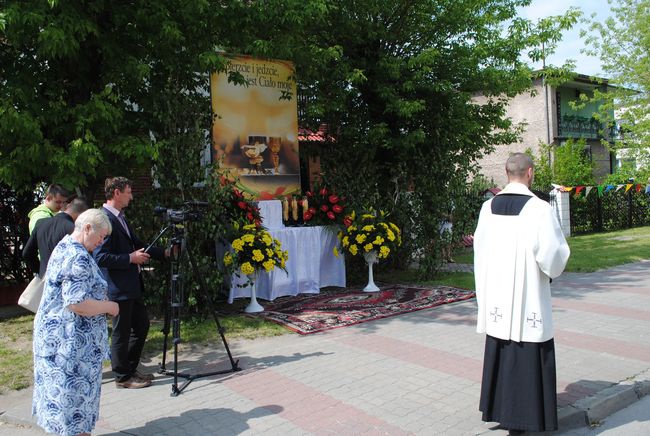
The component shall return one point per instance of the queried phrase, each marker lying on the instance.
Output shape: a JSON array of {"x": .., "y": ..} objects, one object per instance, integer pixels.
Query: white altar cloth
[
  {"x": 271, "y": 214},
  {"x": 311, "y": 265}
]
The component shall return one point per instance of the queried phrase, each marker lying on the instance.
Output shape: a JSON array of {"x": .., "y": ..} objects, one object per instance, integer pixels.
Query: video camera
[{"x": 191, "y": 211}]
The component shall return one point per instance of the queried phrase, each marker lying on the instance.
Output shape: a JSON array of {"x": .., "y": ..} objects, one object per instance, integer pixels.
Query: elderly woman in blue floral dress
[{"x": 70, "y": 332}]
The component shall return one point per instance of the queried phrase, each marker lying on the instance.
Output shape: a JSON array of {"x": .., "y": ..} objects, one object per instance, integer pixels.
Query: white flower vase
[
  {"x": 253, "y": 306},
  {"x": 371, "y": 258}
]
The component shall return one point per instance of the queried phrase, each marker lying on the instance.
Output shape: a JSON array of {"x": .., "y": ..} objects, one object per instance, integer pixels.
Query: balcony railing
[{"x": 570, "y": 126}]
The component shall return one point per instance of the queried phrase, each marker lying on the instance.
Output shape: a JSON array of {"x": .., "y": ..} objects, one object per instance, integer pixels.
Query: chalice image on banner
[
  {"x": 255, "y": 158},
  {"x": 275, "y": 144}
]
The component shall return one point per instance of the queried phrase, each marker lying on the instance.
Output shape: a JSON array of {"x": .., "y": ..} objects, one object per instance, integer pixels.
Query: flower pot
[
  {"x": 253, "y": 306},
  {"x": 371, "y": 258}
]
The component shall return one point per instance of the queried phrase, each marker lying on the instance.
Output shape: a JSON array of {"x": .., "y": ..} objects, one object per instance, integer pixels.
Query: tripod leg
[
  {"x": 220, "y": 329},
  {"x": 177, "y": 304},
  {"x": 165, "y": 329}
]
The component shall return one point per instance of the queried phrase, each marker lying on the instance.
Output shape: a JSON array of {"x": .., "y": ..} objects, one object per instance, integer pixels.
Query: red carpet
[{"x": 311, "y": 313}]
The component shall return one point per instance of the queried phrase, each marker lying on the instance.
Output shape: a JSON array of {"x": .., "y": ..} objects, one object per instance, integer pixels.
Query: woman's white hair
[{"x": 96, "y": 218}]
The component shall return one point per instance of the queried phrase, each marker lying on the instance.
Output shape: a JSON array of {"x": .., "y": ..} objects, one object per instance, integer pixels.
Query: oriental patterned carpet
[{"x": 311, "y": 313}]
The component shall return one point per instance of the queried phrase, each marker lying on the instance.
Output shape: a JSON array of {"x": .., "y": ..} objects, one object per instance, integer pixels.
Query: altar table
[{"x": 311, "y": 265}]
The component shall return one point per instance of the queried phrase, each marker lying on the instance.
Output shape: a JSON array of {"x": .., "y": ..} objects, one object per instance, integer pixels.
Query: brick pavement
[{"x": 417, "y": 373}]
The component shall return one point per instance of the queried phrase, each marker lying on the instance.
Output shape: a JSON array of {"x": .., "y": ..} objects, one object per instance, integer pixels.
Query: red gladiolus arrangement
[{"x": 325, "y": 208}]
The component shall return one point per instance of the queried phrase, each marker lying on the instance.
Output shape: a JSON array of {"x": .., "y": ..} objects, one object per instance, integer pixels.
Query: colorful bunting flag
[{"x": 601, "y": 189}]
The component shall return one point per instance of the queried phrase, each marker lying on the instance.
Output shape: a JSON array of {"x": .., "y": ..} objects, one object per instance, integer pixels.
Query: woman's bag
[{"x": 30, "y": 299}]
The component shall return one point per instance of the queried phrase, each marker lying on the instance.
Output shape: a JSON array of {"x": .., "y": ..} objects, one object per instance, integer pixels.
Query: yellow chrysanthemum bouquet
[
  {"x": 253, "y": 250},
  {"x": 372, "y": 236},
  {"x": 370, "y": 232}
]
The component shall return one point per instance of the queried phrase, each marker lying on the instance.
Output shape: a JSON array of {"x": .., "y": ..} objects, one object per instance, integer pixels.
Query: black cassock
[{"x": 518, "y": 389}]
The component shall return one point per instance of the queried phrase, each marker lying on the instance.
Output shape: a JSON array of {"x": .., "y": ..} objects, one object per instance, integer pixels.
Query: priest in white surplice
[{"x": 518, "y": 248}]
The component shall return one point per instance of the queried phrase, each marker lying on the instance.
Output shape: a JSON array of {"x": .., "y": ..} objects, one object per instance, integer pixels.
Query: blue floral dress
[{"x": 69, "y": 348}]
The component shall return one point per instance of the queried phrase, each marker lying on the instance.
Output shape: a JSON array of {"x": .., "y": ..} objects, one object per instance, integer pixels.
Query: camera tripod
[{"x": 174, "y": 295}]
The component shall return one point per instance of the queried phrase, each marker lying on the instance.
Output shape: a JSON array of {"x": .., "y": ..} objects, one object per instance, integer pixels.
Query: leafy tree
[
  {"x": 626, "y": 173},
  {"x": 95, "y": 88},
  {"x": 88, "y": 85},
  {"x": 64, "y": 113},
  {"x": 570, "y": 166},
  {"x": 622, "y": 42}
]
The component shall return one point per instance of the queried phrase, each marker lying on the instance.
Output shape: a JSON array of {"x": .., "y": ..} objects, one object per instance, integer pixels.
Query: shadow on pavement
[{"x": 204, "y": 421}]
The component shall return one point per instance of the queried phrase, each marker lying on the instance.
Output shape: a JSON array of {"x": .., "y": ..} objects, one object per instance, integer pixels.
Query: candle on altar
[
  {"x": 294, "y": 208},
  {"x": 285, "y": 209},
  {"x": 305, "y": 206}
]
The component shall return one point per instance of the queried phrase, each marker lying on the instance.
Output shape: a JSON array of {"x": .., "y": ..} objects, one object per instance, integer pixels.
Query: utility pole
[{"x": 547, "y": 120}]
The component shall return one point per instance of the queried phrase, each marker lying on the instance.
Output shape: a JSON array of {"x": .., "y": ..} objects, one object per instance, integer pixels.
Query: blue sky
[{"x": 569, "y": 47}]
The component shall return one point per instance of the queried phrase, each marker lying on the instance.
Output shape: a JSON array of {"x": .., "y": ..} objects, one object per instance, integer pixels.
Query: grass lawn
[
  {"x": 16, "y": 342},
  {"x": 596, "y": 251},
  {"x": 588, "y": 253},
  {"x": 16, "y": 353},
  {"x": 605, "y": 250}
]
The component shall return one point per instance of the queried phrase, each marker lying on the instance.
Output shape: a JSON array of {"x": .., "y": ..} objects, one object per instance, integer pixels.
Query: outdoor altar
[{"x": 311, "y": 265}]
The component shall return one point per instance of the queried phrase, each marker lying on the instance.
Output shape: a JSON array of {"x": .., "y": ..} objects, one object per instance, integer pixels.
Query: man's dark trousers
[{"x": 130, "y": 326}]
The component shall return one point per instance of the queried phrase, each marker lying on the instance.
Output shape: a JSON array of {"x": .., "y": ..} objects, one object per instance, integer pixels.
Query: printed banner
[{"x": 255, "y": 127}]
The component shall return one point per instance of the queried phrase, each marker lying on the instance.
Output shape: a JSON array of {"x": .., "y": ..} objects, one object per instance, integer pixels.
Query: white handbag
[{"x": 30, "y": 299}]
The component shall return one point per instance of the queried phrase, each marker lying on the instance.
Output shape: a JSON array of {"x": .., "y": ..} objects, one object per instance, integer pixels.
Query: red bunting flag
[
  {"x": 639, "y": 187},
  {"x": 579, "y": 189}
]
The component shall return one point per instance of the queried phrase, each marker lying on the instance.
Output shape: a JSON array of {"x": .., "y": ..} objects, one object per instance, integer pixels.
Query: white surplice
[{"x": 514, "y": 257}]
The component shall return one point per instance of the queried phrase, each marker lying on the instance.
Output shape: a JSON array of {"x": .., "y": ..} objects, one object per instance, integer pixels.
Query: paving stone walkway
[{"x": 414, "y": 374}]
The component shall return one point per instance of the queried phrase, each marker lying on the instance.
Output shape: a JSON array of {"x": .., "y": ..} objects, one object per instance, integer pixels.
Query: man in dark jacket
[
  {"x": 48, "y": 232},
  {"x": 120, "y": 259}
]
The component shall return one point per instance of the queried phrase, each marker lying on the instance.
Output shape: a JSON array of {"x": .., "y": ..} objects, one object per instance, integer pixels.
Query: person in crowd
[
  {"x": 55, "y": 197},
  {"x": 518, "y": 248},
  {"x": 447, "y": 238},
  {"x": 120, "y": 259},
  {"x": 48, "y": 232},
  {"x": 71, "y": 333}
]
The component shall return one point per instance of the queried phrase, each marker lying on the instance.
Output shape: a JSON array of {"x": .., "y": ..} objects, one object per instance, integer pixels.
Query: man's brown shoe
[
  {"x": 133, "y": 382},
  {"x": 143, "y": 376}
]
